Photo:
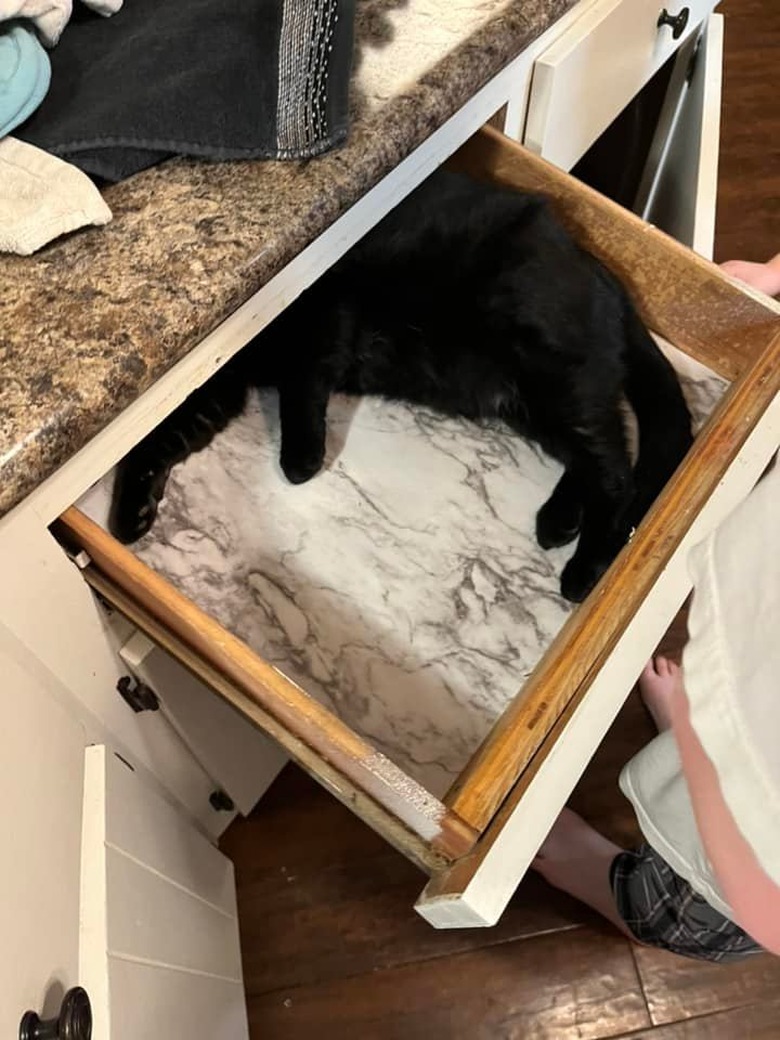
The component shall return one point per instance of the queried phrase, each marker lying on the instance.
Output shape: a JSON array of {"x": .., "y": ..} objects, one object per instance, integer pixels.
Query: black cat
[{"x": 474, "y": 301}]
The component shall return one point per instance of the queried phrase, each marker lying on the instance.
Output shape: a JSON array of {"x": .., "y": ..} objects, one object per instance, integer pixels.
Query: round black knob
[
  {"x": 676, "y": 22},
  {"x": 74, "y": 1023}
]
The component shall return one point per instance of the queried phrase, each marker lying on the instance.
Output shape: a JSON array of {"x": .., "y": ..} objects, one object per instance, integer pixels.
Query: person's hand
[{"x": 765, "y": 277}]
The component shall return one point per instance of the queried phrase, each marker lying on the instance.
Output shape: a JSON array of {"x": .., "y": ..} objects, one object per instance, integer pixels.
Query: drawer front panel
[{"x": 585, "y": 79}]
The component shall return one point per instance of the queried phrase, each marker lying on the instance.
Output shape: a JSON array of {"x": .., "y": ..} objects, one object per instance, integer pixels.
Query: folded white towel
[
  {"x": 48, "y": 16},
  {"x": 51, "y": 16},
  {"x": 42, "y": 197},
  {"x": 105, "y": 7}
]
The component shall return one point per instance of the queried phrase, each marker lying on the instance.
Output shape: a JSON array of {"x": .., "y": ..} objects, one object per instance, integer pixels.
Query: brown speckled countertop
[{"x": 90, "y": 322}]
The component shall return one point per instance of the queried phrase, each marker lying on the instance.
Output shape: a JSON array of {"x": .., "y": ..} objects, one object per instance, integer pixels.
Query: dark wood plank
[
  {"x": 759, "y": 1022},
  {"x": 676, "y": 988},
  {"x": 585, "y": 987},
  {"x": 748, "y": 220},
  {"x": 321, "y": 897}
]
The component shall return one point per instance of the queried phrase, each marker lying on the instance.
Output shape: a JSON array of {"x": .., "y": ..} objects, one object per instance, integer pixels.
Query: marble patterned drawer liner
[{"x": 402, "y": 587}]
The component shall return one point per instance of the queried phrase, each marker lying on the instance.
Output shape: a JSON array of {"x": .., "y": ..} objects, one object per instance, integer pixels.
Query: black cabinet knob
[
  {"x": 676, "y": 22},
  {"x": 74, "y": 1023}
]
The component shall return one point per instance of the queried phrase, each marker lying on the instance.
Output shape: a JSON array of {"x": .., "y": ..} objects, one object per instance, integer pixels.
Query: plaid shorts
[{"x": 661, "y": 909}]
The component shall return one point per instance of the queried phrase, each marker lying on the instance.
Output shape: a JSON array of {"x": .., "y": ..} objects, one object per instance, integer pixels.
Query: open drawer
[{"x": 476, "y": 840}]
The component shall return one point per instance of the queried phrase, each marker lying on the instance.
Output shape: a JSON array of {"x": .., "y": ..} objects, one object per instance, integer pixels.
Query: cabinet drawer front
[{"x": 585, "y": 79}]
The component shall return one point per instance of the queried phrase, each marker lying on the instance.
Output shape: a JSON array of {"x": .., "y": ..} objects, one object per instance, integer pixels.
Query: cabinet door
[
  {"x": 41, "y": 776},
  {"x": 680, "y": 183},
  {"x": 591, "y": 72},
  {"x": 160, "y": 952},
  {"x": 239, "y": 760}
]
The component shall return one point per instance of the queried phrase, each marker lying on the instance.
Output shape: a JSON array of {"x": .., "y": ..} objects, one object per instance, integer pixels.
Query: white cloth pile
[{"x": 41, "y": 197}]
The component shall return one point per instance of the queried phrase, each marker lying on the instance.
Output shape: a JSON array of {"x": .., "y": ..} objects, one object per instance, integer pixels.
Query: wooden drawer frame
[{"x": 477, "y": 842}]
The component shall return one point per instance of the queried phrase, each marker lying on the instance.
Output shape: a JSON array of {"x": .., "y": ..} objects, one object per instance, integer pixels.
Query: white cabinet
[
  {"x": 680, "y": 184},
  {"x": 100, "y": 869},
  {"x": 105, "y": 885},
  {"x": 591, "y": 72},
  {"x": 41, "y": 776},
  {"x": 586, "y": 77},
  {"x": 159, "y": 953}
]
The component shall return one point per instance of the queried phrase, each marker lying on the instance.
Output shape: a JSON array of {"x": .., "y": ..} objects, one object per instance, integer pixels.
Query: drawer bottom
[{"x": 402, "y": 587}]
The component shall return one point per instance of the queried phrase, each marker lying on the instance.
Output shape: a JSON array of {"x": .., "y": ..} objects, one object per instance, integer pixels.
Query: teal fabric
[{"x": 25, "y": 74}]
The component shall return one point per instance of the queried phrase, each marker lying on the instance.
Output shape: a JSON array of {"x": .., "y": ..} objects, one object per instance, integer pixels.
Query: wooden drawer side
[
  {"x": 389, "y": 800},
  {"x": 580, "y": 650},
  {"x": 680, "y": 295}
]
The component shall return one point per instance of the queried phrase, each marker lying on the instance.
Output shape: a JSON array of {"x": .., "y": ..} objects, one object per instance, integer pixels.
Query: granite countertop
[{"x": 90, "y": 322}]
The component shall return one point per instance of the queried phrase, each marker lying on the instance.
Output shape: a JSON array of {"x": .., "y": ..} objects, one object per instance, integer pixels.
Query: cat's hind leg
[{"x": 603, "y": 472}]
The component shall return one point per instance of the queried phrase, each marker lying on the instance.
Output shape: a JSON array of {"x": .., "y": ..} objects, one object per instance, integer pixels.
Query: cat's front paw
[
  {"x": 557, "y": 523},
  {"x": 300, "y": 468},
  {"x": 134, "y": 503},
  {"x": 130, "y": 521}
]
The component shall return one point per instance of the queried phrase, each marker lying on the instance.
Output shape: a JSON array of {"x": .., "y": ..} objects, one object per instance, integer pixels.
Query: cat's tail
[{"x": 654, "y": 393}]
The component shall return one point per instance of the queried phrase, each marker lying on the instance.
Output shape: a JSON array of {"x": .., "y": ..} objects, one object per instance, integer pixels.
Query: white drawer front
[{"x": 588, "y": 76}]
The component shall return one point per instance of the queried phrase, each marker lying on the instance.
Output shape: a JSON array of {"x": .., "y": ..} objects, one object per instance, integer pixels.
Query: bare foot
[
  {"x": 765, "y": 277},
  {"x": 576, "y": 858},
  {"x": 658, "y": 683}
]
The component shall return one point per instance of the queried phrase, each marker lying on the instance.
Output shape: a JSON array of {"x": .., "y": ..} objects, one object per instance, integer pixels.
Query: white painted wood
[
  {"x": 64, "y": 487},
  {"x": 684, "y": 181},
  {"x": 238, "y": 758},
  {"x": 159, "y": 941},
  {"x": 72, "y": 649},
  {"x": 217, "y": 748},
  {"x": 211, "y": 1009},
  {"x": 485, "y": 897},
  {"x": 591, "y": 71},
  {"x": 41, "y": 776}
]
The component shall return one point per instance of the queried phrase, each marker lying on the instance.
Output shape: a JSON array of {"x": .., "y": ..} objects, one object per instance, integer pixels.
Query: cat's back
[{"x": 447, "y": 226}]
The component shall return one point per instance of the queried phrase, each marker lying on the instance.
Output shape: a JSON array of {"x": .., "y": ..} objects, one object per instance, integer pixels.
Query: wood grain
[
  {"x": 757, "y": 1022},
  {"x": 748, "y": 223},
  {"x": 585, "y": 988},
  {"x": 350, "y": 767},
  {"x": 677, "y": 988},
  {"x": 331, "y": 899},
  {"x": 680, "y": 295}
]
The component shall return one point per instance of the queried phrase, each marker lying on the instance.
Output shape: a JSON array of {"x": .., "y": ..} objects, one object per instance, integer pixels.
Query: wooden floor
[{"x": 331, "y": 946}]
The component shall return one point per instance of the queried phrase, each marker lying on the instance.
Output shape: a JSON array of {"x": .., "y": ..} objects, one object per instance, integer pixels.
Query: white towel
[
  {"x": 42, "y": 197},
  {"x": 51, "y": 16},
  {"x": 104, "y": 7},
  {"x": 48, "y": 16}
]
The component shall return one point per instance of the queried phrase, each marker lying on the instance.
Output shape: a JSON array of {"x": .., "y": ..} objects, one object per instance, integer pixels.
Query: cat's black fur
[{"x": 474, "y": 301}]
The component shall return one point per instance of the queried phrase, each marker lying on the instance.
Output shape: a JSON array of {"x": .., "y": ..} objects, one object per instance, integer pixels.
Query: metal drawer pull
[
  {"x": 74, "y": 1023},
  {"x": 676, "y": 22}
]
